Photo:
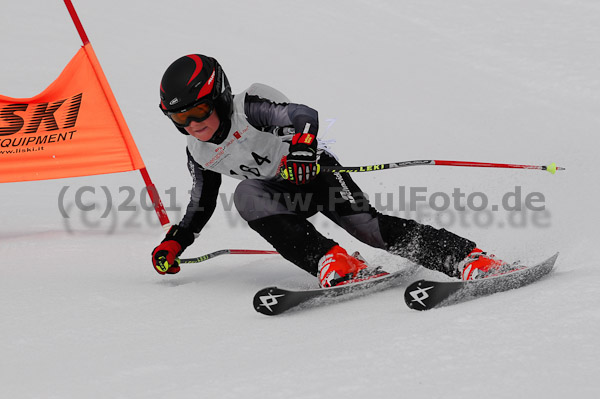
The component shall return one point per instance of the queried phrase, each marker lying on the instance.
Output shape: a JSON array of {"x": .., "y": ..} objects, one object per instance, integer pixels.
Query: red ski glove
[
  {"x": 165, "y": 257},
  {"x": 300, "y": 165}
]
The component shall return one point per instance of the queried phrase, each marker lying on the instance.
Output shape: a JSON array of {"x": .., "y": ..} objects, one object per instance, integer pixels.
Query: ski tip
[{"x": 553, "y": 257}]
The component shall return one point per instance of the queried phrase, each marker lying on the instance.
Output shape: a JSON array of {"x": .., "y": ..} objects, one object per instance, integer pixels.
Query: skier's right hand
[{"x": 165, "y": 256}]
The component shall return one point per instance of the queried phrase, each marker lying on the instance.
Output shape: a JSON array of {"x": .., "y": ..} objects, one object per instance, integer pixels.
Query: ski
[
  {"x": 272, "y": 301},
  {"x": 424, "y": 294}
]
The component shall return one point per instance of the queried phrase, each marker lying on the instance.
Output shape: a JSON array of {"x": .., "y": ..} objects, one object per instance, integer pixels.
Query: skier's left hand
[{"x": 300, "y": 165}]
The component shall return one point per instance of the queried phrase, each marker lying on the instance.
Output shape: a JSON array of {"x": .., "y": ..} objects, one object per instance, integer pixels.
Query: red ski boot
[
  {"x": 479, "y": 264},
  {"x": 338, "y": 268}
]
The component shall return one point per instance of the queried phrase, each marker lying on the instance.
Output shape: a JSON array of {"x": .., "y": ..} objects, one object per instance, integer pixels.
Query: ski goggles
[{"x": 197, "y": 113}]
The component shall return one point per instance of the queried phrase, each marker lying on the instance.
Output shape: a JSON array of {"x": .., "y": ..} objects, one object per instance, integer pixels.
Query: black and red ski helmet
[{"x": 193, "y": 79}]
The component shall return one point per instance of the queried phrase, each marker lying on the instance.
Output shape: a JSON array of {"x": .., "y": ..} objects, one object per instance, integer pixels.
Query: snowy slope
[{"x": 84, "y": 315}]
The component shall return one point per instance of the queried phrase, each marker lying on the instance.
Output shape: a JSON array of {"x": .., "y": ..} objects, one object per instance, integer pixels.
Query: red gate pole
[{"x": 152, "y": 192}]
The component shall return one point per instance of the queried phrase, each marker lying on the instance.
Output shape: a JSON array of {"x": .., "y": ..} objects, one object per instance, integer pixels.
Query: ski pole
[
  {"x": 226, "y": 252},
  {"x": 552, "y": 168}
]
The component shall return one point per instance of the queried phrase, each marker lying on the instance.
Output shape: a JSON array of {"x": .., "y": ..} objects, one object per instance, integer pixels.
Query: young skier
[{"x": 270, "y": 144}]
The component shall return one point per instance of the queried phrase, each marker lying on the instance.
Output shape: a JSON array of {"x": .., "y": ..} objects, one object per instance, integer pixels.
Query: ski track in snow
[{"x": 85, "y": 316}]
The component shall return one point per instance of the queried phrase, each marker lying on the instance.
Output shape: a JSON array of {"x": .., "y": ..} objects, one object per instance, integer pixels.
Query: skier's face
[{"x": 204, "y": 130}]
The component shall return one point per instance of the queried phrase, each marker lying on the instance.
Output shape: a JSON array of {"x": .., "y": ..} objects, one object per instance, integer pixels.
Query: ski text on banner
[{"x": 73, "y": 128}]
